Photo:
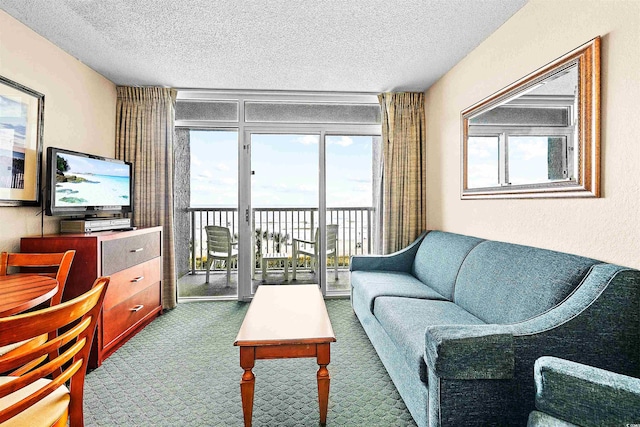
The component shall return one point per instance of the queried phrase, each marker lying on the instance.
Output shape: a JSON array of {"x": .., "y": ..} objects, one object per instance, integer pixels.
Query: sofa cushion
[
  {"x": 406, "y": 319},
  {"x": 373, "y": 284},
  {"x": 507, "y": 283},
  {"x": 439, "y": 258}
]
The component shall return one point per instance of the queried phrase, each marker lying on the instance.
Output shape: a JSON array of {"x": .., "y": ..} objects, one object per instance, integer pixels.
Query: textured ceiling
[{"x": 319, "y": 45}]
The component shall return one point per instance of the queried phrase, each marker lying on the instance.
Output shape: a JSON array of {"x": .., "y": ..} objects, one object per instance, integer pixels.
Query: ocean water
[{"x": 98, "y": 190}]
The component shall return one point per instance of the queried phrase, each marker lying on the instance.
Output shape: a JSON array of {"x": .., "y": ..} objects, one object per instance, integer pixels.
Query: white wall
[
  {"x": 607, "y": 228},
  {"x": 79, "y": 114}
]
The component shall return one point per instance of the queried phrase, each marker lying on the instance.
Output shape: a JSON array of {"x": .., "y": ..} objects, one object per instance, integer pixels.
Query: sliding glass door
[
  {"x": 308, "y": 207},
  {"x": 284, "y": 207}
]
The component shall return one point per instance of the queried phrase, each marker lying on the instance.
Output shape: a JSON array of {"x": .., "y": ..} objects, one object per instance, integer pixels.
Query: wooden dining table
[{"x": 20, "y": 292}]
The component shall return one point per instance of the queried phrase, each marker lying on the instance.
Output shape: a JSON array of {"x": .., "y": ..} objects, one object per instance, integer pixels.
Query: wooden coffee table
[{"x": 285, "y": 321}]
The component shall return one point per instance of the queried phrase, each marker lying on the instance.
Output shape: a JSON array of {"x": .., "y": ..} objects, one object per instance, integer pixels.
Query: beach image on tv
[{"x": 83, "y": 181}]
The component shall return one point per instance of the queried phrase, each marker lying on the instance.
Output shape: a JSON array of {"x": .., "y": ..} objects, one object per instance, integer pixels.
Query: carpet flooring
[{"x": 183, "y": 370}]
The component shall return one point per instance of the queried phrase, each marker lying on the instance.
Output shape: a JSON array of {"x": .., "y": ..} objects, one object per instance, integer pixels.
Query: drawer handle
[
  {"x": 137, "y": 279},
  {"x": 137, "y": 250},
  {"x": 137, "y": 308}
]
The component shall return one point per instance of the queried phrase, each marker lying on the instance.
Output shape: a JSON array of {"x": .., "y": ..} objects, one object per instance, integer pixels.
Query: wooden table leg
[
  {"x": 247, "y": 383},
  {"x": 324, "y": 358}
]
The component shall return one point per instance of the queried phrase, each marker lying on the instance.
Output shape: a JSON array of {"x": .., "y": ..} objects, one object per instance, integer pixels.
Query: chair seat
[
  {"x": 234, "y": 253},
  {"x": 310, "y": 252},
  {"x": 43, "y": 413}
]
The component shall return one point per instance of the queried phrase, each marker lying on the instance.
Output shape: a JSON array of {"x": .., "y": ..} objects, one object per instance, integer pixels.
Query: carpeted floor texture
[{"x": 183, "y": 370}]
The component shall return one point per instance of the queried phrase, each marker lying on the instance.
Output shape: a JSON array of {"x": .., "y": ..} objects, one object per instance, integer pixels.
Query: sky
[
  {"x": 285, "y": 170},
  {"x": 82, "y": 164}
]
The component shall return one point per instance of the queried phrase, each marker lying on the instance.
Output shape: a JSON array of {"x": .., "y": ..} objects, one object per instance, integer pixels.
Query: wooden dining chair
[
  {"x": 56, "y": 265},
  {"x": 33, "y": 399}
]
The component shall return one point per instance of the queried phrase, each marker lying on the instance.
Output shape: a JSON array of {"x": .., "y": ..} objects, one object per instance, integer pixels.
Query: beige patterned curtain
[
  {"x": 403, "y": 175},
  {"x": 144, "y": 136}
]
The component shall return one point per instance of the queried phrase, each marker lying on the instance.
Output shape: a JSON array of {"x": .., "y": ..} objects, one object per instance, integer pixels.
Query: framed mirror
[{"x": 538, "y": 137}]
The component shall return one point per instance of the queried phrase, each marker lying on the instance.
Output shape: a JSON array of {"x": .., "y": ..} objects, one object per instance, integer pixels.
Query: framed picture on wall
[{"x": 21, "y": 124}]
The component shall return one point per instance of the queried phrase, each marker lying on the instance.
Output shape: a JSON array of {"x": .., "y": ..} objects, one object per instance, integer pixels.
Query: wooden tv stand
[{"x": 133, "y": 259}]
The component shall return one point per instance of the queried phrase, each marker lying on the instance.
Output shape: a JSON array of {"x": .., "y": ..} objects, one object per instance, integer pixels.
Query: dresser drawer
[
  {"x": 123, "y": 316},
  {"x": 129, "y": 282},
  {"x": 119, "y": 254}
]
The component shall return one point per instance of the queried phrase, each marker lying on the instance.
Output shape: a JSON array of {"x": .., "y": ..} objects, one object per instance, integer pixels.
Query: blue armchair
[{"x": 573, "y": 394}]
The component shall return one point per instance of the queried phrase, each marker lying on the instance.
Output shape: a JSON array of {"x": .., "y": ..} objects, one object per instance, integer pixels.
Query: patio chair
[
  {"x": 220, "y": 247},
  {"x": 311, "y": 248}
]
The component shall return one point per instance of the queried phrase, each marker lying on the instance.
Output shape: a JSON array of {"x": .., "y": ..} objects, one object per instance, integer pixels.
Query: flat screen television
[{"x": 85, "y": 185}]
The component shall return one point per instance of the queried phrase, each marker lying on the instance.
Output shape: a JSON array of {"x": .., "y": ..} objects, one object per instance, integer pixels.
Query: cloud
[
  {"x": 483, "y": 147},
  {"x": 307, "y": 188},
  {"x": 205, "y": 175},
  {"x": 343, "y": 141},
  {"x": 359, "y": 180},
  {"x": 528, "y": 148},
  {"x": 226, "y": 181},
  {"x": 222, "y": 167},
  {"x": 482, "y": 175},
  {"x": 307, "y": 139}
]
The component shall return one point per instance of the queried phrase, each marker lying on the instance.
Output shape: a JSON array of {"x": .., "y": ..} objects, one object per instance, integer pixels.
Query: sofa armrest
[
  {"x": 469, "y": 352},
  {"x": 585, "y": 395},
  {"x": 401, "y": 260}
]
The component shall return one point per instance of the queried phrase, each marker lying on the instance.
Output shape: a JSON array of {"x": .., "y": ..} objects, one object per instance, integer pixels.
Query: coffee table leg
[
  {"x": 324, "y": 358},
  {"x": 247, "y": 383}
]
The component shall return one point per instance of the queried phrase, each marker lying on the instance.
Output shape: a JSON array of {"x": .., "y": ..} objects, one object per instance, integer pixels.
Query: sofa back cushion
[
  {"x": 507, "y": 283},
  {"x": 439, "y": 258}
]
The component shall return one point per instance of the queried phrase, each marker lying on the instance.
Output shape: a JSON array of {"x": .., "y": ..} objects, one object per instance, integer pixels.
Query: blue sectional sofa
[{"x": 459, "y": 321}]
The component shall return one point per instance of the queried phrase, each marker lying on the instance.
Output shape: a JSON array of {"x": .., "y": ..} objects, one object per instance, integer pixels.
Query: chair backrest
[
  {"x": 55, "y": 265},
  {"x": 218, "y": 239},
  {"x": 79, "y": 316},
  {"x": 332, "y": 238}
]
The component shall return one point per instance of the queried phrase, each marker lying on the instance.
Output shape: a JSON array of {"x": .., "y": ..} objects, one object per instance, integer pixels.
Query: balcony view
[{"x": 285, "y": 195}]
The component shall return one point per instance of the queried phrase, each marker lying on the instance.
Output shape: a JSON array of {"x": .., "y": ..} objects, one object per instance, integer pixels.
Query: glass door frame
[
  {"x": 226, "y": 110},
  {"x": 244, "y": 188},
  {"x": 245, "y": 208}
]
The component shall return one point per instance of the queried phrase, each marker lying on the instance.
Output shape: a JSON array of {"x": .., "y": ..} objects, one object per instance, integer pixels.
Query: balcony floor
[{"x": 194, "y": 286}]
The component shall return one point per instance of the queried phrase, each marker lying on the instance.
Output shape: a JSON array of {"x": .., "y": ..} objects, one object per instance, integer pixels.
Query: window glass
[
  {"x": 536, "y": 159},
  {"x": 483, "y": 161},
  {"x": 214, "y": 168}
]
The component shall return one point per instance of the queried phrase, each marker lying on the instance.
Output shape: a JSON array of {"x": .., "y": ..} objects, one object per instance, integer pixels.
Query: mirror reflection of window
[
  {"x": 537, "y": 159},
  {"x": 483, "y": 161}
]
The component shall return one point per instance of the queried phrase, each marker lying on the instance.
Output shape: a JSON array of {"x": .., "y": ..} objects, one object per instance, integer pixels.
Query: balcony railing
[{"x": 274, "y": 229}]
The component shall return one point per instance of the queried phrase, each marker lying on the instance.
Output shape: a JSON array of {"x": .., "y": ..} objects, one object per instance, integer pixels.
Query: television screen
[{"x": 83, "y": 184}]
